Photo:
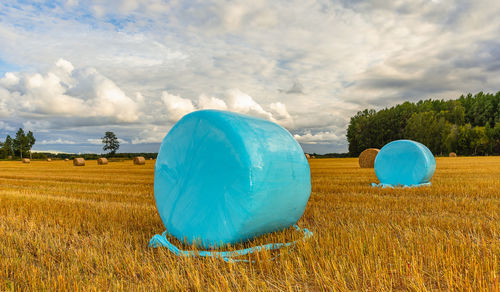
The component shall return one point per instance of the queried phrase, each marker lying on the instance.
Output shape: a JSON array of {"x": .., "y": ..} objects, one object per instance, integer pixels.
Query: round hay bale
[
  {"x": 26, "y": 160},
  {"x": 222, "y": 177},
  {"x": 404, "y": 162},
  {"x": 66, "y": 159},
  {"x": 367, "y": 158},
  {"x": 79, "y": 161},
  {"x": 313, "y": 157},
  {"x": 453, "y": 154},
  {"x": 9, "y": 157},
  {"x": 150, "y": 158},
  {"x": 49, "y": 159},
  {"x": 102, "y": 161},
  {"x": 308, "y": 156},
  {"x": 139, "y": 160}
]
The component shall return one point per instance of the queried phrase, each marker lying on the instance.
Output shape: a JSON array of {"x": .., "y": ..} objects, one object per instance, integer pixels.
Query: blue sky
[{"x": 71, "y": 70}]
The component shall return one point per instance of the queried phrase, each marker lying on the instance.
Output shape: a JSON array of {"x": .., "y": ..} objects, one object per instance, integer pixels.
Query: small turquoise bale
[
  {"x": 404, "y": 162},
  {"x": 223, "y": 177}
]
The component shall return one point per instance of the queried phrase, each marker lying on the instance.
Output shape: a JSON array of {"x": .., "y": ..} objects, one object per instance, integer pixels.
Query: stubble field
[{"x": 87, "y": 228}]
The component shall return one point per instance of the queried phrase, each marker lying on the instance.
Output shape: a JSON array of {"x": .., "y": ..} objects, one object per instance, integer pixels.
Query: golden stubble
[{"x": 87, "y": 228}]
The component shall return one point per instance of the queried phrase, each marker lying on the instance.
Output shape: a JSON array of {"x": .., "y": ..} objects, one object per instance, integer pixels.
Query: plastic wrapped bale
[
  {"x": 222, "y": 177},
  {"x": 404, "y": 163}
]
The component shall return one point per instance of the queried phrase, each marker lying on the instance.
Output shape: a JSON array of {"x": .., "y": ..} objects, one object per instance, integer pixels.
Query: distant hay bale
[
  {"x": 139, "y": 160},
  {"x": 150, "y": 158},
  {"x": 66, "y": 159},
  {"x": 367, "y": 158},
  {"x": 308, "y": 156},
  {"x": 453, "y": 154},
  {"x": 9, "y": 157},
  {"x": 102, "y": 161},
  {"x": 79, "y": 161},
  {"x": 26, "y": 160},
  {"x": 49, "y": 159}
]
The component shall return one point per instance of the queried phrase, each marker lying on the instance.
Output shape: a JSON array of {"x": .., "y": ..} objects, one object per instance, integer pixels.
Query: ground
[{"x": 67, "y": 228}]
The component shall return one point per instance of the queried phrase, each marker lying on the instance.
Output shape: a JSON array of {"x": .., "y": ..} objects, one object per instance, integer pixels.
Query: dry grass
[{"x": 67, "y": 228}]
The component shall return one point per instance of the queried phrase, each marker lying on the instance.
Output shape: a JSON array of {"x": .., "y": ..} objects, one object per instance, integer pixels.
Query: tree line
[
  {"x": 20, "y": 146},
  {"x": 469, "y": 125}
]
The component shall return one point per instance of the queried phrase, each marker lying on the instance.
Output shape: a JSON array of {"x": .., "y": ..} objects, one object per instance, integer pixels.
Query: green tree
[
  {"x": 443, "y": 126},
  {"x": 479, "y": 140},
  {"x": 464, "y": 140},
  {"x": 20, "y": 143},
  {"x": 451, "y": 140},
  {"x": 110, "y": 142},
  {"x": 495, "y": 138},
  {"x": 30, "y": 141},
  {"x": 429, "y": 130},
  {"x": 23, "y": 143},
  {"x": 8, "y": 146}
]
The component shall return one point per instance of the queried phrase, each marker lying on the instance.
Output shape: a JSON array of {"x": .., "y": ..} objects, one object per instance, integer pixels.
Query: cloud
[
  {"x": 176, "y": 106},
  {"x": 57, "y": 141},
  {"x": 308, "y": 65},
  {"x": 296, "y": 88},
  {"x": 64, "y": 92},
  {"x": 36, "y": 126},
  {"x": 205, "y": 102},
  {"x": 243, "y": 103},
  {"x": 237, "y": 101},
  {"x": 153, "y": 134},
  {"x": 318, "y": 138},
  {"x": 5, "y": 127}
]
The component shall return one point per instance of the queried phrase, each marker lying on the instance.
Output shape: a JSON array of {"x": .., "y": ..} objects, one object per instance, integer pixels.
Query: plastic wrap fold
[
  {"x": 223, "y": 177},
  {"x": 404, "y": 163}
]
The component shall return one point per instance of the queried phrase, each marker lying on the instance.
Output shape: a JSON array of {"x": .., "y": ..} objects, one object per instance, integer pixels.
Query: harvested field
[{"x": 63, "y": 227}]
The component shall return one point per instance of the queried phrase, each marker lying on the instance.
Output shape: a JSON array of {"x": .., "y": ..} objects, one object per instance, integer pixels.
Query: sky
[{"x": 71, "y": 70}]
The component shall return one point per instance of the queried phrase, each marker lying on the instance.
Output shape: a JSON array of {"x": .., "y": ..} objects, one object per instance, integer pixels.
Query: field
[{"x": 87, "y": 228}]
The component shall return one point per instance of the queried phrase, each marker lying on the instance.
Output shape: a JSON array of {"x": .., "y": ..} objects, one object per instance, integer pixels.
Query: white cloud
[
  {"x": 281, "y": 115},
  {"x": 317, "y": 138},
  {"x": 57, "y": 141},
  {"x": 243, "y": 103},
  {"x": 176, "y": 106},
  {"x": 237, "y": 101},
  {"x": 83, "y": 93},
  {"x": 10, "y": 79},
  {"x": 152, "y": 134},
  {"x": 65, "y": 65},
  {"x": 205, "y": 102},
  {"x": 348, "y": 55}
]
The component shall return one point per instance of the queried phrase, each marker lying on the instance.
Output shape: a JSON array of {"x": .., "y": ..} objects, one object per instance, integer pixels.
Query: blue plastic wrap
[
  {"x": 223, "y": 177},
  {"x": 404, "y": 163}
]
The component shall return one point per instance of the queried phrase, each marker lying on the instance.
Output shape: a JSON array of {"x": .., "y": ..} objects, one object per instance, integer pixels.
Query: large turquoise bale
[
  {"x": 404, "y": 162},
  {"x": 223, "y": 177}
]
